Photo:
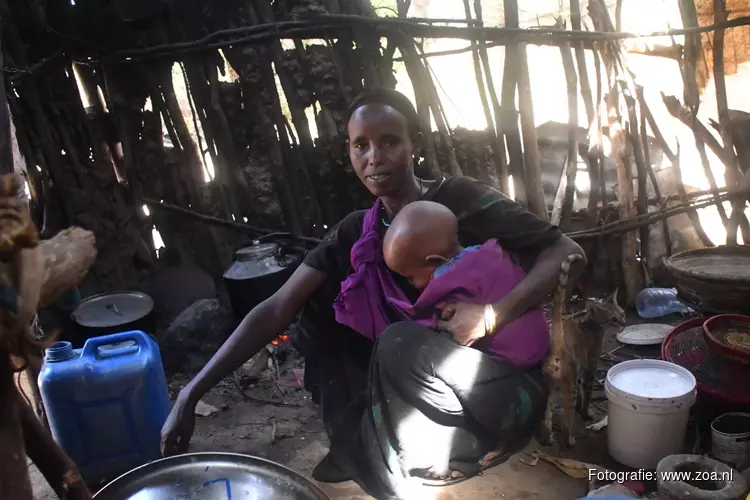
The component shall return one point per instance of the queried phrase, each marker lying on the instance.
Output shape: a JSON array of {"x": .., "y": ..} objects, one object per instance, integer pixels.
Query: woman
[{"x": 414, "y": 403}]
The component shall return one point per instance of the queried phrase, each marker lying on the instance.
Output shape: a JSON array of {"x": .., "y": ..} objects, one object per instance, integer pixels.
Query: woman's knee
[{"x": 404, "y": 336}]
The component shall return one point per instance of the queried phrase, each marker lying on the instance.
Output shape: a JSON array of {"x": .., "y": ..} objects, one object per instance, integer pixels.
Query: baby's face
[{"x": 419, "y": 272}]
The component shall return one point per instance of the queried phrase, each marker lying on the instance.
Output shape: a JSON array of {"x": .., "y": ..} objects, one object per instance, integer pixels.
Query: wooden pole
[
  {"x": 647, "y": 160},
  {"x": 563, "y": 207},
  {"x": 498, "y": 153},
  {"x": 640, "y": 164},
  {"x": 533, "y": 170},
  {"x": 509, "y": 113},
  {"x": 621, "y": 154},
  {"x": 731, "y": 170},
  {"x": 580, "y": 53},
  {"x": 501, "y": 164},
  {"x": 6, "y": 150}
]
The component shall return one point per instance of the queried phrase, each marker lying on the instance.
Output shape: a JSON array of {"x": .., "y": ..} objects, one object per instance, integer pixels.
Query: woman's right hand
[{"x": 178, "y": 429}]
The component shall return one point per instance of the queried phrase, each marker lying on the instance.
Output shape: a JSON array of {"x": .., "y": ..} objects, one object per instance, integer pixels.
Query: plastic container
[
  {"x": 106, "y": 403},
  {"x": 659, "y": 302},
  {"x": 649, "y": 403},
  {"x": 730, "y": 439}
]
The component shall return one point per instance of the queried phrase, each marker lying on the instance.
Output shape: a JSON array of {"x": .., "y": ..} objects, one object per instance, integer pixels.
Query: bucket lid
[
  {"x": 651, "y": 379},
  {"x": 645, "y": 334},
  {"x": 106, "y": 310}
]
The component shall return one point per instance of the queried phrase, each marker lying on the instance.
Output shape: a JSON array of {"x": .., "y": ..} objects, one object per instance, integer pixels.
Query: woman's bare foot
[
  {"x": 489, "y": 457},
  {"x": 436, "y": 473},
  {"x": 439, "y": 475}
]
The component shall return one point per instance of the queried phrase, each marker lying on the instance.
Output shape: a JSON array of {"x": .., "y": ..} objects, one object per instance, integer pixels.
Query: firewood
[{"x": 67, "y": 258}]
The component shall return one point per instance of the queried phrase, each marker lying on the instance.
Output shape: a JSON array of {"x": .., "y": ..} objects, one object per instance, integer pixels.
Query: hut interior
[{"x": 180, "y": 136}]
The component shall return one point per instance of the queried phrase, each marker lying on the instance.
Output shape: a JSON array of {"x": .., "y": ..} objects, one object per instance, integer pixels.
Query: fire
[{"x": 281, "y": 338}]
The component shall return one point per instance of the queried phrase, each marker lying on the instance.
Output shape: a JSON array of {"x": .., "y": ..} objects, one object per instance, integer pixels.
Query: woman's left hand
[{"x": 467, "y": 322}]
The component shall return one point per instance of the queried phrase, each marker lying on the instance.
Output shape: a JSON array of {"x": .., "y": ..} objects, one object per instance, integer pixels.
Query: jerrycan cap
[{"x": 59, "y": 351}]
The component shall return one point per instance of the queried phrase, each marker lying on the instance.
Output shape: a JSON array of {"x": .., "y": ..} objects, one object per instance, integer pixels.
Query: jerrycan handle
[{"x": 107, "y": 346}]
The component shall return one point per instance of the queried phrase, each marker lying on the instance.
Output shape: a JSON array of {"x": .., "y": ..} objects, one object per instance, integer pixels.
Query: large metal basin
[{"x": 211, "y": 476}]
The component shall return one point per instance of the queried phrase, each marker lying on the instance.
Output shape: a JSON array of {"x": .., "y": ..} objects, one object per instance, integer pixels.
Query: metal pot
[
  {"x": 260, "y": 270},
  {"x": 114, "y": 312},
  {"x": 211, "y": 476}
]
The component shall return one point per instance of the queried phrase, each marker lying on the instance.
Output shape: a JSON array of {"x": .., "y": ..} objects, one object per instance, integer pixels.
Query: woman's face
[{"x": 380, "y": 149}]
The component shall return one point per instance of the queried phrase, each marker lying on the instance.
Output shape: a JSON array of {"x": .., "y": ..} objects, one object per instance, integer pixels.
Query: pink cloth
[{"x": 370, "y": 298}]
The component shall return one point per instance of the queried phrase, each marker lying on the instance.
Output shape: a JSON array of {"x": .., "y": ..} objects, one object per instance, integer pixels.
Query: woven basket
[
  {"x": 716, "y": 333},
  {"x": 715, "y": 280}
]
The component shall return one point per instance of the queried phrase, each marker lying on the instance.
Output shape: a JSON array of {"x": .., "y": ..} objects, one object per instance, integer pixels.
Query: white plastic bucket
[
  {"x": 730, "y": 439},
  {"x": 649, "y": 403}
]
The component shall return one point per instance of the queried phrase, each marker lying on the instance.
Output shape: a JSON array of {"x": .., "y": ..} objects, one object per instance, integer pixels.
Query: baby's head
[{"x": 422, "y": 236}]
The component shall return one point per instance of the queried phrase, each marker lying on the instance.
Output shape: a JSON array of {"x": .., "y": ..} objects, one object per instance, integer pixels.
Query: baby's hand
[{"x": 466, "y": 322}]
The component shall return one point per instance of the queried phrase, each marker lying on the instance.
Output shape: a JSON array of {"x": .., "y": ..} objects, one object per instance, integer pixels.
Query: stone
[
  {"x": 177, "y": 287},
  {"x": 195, "y": 335}
]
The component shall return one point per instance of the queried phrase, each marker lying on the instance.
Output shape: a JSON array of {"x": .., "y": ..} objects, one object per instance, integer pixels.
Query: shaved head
[{"x": 423, "y": 235}]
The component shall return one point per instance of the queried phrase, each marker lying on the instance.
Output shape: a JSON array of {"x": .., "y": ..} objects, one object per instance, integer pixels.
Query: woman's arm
[
  {"x": 540, "y": 281},
  {"x": 485, "y": 213},
  {"x": 261, "y": 325}
]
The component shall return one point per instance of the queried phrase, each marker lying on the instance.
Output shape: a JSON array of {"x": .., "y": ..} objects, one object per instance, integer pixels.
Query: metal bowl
[{"x": 211, "y": 476}]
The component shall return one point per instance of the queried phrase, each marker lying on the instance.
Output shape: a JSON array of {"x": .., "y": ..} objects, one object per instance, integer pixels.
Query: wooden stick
[
  {"x": 301, "y": 125},
  {"x": 423, "y": 110},
  {"x": 509, "y": 114},
  {"x": 640, "y": 164},
  {"x": 501, "y": 165},
  {"x": 597, "y": 232},
  {"x": 690, "y": 55},
  {"x": 637, "y": 221},
  {"x": 568, "y": 180},
  {"x": 583, "y": 74},
  {"x": 533, "y": 170},
  {"x": 731, "y": 170},
  {"x": 650, "y": 168},
  {"x": 433, "y": 100},
  {"x": 191, "y": 155},
  {"x": 675, "y": 160},
  {"x": 612, "y": 57},
  {"x": 328, "y": 26},
  {"x": 497, "y": 149}
]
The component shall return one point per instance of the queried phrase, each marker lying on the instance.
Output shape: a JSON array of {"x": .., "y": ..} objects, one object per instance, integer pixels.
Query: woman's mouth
[{"x": 378, "y": 177}]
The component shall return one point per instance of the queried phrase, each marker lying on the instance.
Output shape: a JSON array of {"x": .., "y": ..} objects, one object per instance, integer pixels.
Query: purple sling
[{"x": 370, "y": 296}]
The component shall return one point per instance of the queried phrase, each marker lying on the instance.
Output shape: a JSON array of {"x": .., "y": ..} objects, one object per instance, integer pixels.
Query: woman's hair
[{"x": 392, "y": 98}]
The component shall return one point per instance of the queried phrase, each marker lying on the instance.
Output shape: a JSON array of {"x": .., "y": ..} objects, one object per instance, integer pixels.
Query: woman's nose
[{"x": 375, "y": 155}]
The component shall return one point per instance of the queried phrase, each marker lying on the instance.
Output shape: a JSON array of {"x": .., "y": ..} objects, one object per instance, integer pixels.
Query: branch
[
  {"x": 627, "y": 225},
  {"x": 322, "y": 26}
]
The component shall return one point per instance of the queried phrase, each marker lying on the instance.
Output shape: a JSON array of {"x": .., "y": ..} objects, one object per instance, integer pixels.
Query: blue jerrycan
[{"x": 106, "y": 403}]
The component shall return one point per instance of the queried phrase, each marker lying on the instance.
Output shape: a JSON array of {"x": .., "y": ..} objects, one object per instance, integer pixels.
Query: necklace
[{"x": 385, "y": 221}]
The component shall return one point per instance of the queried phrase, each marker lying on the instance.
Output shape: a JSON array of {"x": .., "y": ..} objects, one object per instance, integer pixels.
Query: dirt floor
[
  {"x": 293, "y": 435},
  {"x": 277, "y": 421}
]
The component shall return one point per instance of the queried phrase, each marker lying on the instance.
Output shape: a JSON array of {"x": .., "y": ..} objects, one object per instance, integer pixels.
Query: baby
[
  {"x": 422, "y": 242},
  {"x": 422, "y": 245}
]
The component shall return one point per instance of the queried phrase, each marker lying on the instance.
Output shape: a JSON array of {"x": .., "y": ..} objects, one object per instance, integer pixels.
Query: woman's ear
[{"x": 347, "y": 146}]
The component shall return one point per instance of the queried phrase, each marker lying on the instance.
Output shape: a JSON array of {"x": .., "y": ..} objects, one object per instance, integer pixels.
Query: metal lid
[
  {"x": 106, "y": 310},
  {"x": 256, "y": 252}
]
